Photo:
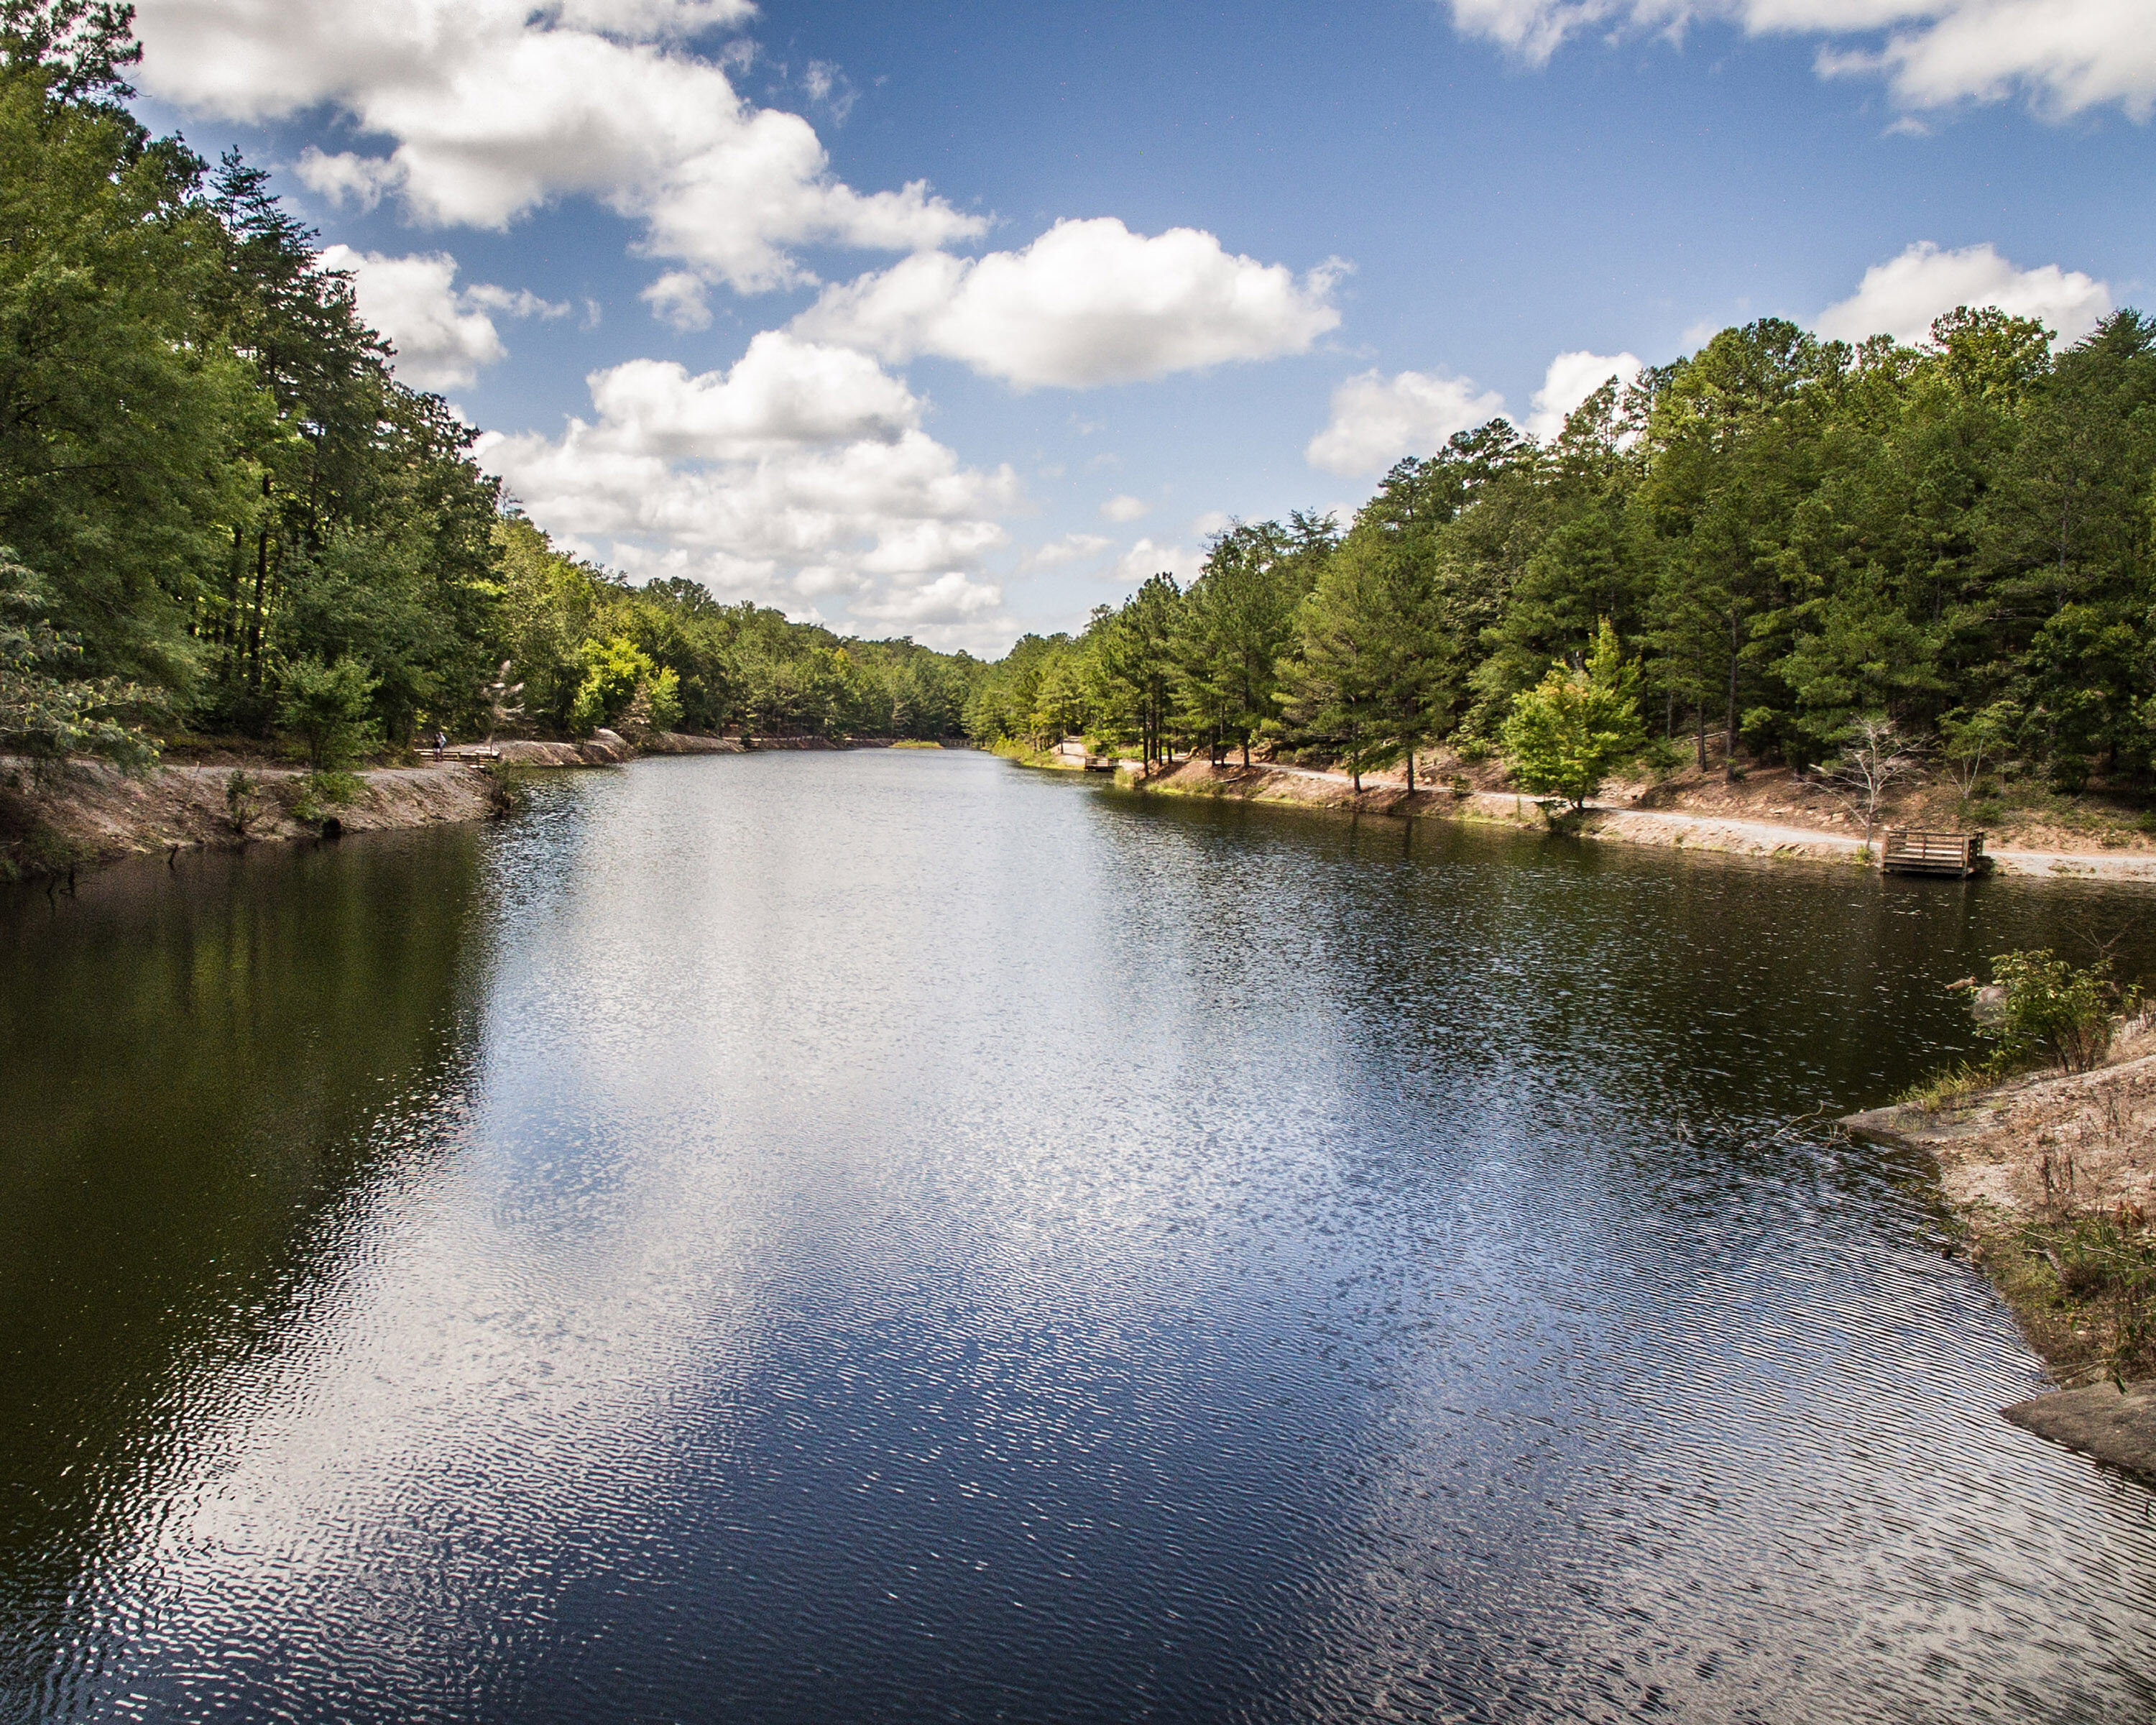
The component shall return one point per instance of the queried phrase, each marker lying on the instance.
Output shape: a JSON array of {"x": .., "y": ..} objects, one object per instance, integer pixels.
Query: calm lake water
[{"x": 891, "y": 1236}]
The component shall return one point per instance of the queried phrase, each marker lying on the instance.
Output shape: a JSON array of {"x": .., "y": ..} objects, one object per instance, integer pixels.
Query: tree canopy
[
  {"x": 1786, "y": 537},
  {"x": 221, "y": 511}
]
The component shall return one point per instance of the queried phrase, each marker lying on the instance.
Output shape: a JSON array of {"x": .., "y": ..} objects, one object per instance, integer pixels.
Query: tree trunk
[
  {"x": 1411, "y": 769},
  {"x": 254, "y": 628},
  {"x": 1729, "y": 755},
  {"x": 1699, "y": 723}
]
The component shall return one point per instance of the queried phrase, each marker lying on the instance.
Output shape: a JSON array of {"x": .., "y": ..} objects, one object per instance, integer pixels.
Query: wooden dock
[{"x": 1909, "y": 852}]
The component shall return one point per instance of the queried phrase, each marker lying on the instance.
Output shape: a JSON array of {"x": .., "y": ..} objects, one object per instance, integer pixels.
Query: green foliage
[
  {"x": 334, "y": 785},
  {"x": 2102, "y": 1274},
  {"x": 1974, "y": 741},
  {"x": 508, "y": 787},
  {"x": 46, "y": 711},
  {"x": 1345, "y": 685},
  {"x": 1806, "y": 545},
  {"x": 613, "y": 671},
  {"x": 243, "y": 800},
  {"x": 2054, "y": 1014},
  {"x": 327, "y": 707},
  {"x": 665, "y": 695},
  {"x": 226, "y": 494},
  {"x": 1575, "y": 728}
]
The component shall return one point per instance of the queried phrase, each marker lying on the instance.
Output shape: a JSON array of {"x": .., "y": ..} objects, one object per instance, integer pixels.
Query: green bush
[
  {"x": 508, "y": 787},
  {"x": 2103, "y": 1268},
  {"x": 242, "y": 799},
  {"x": 2054, "y": 1014},
  {"x": 326, "y": 706}
]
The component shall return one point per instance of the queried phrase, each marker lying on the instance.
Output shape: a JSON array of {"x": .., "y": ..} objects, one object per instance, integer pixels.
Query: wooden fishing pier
[{"x": 1909, "y": 852}]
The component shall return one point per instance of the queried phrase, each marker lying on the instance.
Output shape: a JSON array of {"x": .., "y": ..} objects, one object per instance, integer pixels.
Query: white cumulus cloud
[
  {"x": 443, "y": 337},
  {"x": 1125, "y": 508},
  {"x": 1146, "y": 559},
  {"x": 1571, "y": 378},
  {"x": 1377, "y": 419},
  {"x": 781, "y": 391},
  {"x": 801, "y": 472},
  {"x": 491, "y": 108},
  {"x": 677, "y": 298},
  {"x": 2066, "y": 56},
  {"x": 949, "y": 598},
  {"x": 1087, "y": 303},
  {"x": 1901, "y": 297},
  {"x": 1070, "y": 549}
]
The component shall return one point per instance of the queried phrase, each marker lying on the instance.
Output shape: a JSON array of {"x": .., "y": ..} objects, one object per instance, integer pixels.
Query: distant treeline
[
  {"x": 1788, "y": 536},
  {"x": 220, "y": 512}
]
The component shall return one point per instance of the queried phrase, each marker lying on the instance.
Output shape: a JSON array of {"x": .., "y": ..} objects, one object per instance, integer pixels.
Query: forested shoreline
[
  {"x": 1778, "y": 549},
  {"x": 222, "y": 515}
]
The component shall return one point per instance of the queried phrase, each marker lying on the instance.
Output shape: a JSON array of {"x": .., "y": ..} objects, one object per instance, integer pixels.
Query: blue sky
[{"x": 1308, "y": 240}]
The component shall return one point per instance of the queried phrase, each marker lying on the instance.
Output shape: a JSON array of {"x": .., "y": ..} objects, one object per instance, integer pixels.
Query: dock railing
[{"x": 1909, "y": 851}]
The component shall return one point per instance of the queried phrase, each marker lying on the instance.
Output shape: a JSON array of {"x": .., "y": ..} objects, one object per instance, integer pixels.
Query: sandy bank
[
  {"x": 97, "y": 814},
  {"x": 1729, "y": 834},
  {"x": 2025, "y": 1148}
]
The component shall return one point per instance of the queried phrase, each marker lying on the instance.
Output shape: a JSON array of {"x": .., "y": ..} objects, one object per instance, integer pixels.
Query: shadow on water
[
  {"x": 200, "y": 1060},
  {"x": 893, "y": 1236}
]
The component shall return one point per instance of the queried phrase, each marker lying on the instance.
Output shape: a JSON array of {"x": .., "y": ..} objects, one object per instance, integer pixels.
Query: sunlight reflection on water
[{"x": 891, "y": 1235}]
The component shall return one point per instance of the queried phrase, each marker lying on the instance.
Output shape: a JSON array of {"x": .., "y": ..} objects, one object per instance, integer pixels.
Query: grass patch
[
  {"x": 1015, "y": 749},
  {"x": 915, "y": 743},
  {"x": 1952, "y": 1087},
  {"x": 2084, "y": 1288}
]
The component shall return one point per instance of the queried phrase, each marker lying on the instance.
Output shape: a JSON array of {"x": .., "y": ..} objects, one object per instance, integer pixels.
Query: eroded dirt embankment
[
  {"x": 1722, "y": 832},
  {"x": 92, "y": 814},
  {"x": 96, "y": 814}
]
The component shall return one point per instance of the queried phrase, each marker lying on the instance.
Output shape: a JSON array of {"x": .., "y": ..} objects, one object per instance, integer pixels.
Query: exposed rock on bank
[
  {"x": 609, "y": 748},
  {"x": 2116, "y": 1426},
  {"x": 1311, "y": 788},
  {"x": 2055, "y": 1176},
  {"x": 2035, "y": 1144},
  {"x": 96, "y": 814}
]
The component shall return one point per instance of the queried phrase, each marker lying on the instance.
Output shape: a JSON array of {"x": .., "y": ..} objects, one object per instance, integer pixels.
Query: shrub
[
  {"x": 47, "y": 712},
  {"x": 243, "y": 800},
  {"x": 615, "y": 672},
  {"x": 2053, "y": 1013},
  {"x": 326, "y": 706},
  {"x": 508, "y": 787},
  {"x": 2104, "y": 1268},
  {"x": 665, "y": 692}
]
